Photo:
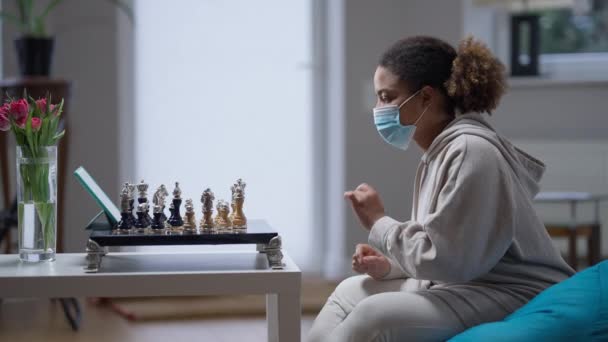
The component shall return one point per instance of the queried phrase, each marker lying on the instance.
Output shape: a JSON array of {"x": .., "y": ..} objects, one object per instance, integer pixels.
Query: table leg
[
  {"x": 572, "y": 252},
  {"x": 594, "y": 245},
  {"x": 283, "y": 317}
]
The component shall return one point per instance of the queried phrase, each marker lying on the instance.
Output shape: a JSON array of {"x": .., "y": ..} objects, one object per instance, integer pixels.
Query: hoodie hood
[{"x": 527, "y": 169}]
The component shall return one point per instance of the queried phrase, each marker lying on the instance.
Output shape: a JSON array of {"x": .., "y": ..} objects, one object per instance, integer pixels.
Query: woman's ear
[{"x": 427, "y": 93}]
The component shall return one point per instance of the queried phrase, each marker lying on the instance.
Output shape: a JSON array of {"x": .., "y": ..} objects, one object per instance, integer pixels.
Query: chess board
[{"x": 257, "y": 232}]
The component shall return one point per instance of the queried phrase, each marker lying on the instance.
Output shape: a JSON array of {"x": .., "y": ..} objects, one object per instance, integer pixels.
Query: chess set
[
  {"x": 133, "y": 225},
  {"x": 226, "y": 220}
]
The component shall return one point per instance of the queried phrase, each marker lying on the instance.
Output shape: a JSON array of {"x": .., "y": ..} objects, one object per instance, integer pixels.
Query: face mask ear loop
[
  {"x": 421, "y": 115},
  {"x": 409, "y": 98}
]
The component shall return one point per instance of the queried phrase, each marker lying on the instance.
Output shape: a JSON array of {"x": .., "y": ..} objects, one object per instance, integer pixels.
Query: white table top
[{"x": 148, "y": 274}]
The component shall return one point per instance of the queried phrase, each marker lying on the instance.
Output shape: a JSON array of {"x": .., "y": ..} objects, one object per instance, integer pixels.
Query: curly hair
[{"x": 471, "y": 79}]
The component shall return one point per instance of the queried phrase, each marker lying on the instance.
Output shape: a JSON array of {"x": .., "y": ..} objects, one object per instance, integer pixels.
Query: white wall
[{"x": 224, "y": 92}]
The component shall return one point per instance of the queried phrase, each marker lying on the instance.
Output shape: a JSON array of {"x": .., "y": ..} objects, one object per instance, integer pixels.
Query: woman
[{"x": 474, "y": 250}]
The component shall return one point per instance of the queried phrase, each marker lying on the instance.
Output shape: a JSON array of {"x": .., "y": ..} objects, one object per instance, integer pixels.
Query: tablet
[{"x": 85, "y": 179}]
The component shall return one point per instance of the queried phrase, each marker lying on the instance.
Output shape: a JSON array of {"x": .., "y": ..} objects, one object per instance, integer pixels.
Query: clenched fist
[
  {"x": 367, "y": 204},
  {"x": 368, "y": 260}
]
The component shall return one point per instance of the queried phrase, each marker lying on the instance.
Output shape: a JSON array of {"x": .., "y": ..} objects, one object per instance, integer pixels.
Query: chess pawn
[
  {"x": 207, "y": 203},
  {"x": 221, "y": 219},
  {"x": 157, "y": 221},
  {"x": 141, "y": 223},
  {"x": 189, "y": 220}
]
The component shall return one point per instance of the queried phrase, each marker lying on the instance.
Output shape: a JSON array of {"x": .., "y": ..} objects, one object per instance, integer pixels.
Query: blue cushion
[{"x": 573, "y": 310}]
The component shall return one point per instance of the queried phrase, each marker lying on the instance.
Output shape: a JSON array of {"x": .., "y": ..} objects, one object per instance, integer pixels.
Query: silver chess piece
[
  {"x": 177, "y": 192},
  {"x": 222, "y": 221},
  {"x": 189, "y": 219},
  {"x": 142, "y": 187},
  {"x": 126, "y": 221},
  {"x": 141, "y": 223},
  {"x": 160, "y": 195},
  {"x": 159, "y": 200},
  {"x": 207, "y": 199}
]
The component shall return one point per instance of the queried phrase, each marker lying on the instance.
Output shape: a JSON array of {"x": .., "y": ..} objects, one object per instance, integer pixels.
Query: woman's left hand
[{"x": 367, "y": 204}]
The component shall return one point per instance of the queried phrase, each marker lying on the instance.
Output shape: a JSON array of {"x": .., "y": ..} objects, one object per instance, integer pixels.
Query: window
[
  {"x": 573, "y": 34},
  {"x": 575, "y": 30}
]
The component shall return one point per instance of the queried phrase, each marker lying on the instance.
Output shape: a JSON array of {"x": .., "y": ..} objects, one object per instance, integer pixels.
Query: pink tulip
[
  {"x": 18, "y": 111},
  {"x": 5, "y": 123},
  {"x": 41, "y": 104},
  {"x": 36, "y": 123}
]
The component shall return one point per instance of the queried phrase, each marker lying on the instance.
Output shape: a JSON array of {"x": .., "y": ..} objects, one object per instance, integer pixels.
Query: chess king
[
  {"x": 239, "y": 221},
  {"x": 221, "y": 219},
  {"x": 207, "y": 200}
]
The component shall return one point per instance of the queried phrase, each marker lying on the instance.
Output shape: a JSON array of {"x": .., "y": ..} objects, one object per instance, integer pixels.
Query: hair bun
[{"x": 478, "y": 80}]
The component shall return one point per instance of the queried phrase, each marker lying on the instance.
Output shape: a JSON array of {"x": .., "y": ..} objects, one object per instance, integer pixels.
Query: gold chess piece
[
  {"x": 221, "y": 219},
  {"x": 207, "y": 201},
  {"x": 189, "y": 220},
  {"x": 239, "y": 221}
]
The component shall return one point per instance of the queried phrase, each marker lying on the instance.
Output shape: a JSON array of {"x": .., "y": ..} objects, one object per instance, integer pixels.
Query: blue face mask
[{"x": 390, "y": 128}]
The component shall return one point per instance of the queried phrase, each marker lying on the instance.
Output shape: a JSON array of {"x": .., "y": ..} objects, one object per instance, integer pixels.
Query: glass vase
[{"x": 37, "y": 203}]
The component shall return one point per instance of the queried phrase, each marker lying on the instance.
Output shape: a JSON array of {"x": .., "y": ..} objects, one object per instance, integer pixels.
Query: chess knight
[
  {"x": 221, "y": 219},
  {"x": 207, "y": 200},
  {"x": 239, "y": 221}
]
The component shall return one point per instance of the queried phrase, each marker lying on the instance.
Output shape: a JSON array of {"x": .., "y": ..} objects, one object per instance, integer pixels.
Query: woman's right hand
[{"x": 368, "y": 260}]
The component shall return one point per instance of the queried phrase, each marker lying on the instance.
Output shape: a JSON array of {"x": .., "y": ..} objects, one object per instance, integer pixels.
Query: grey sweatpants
[{"x": 364, "y": 309}]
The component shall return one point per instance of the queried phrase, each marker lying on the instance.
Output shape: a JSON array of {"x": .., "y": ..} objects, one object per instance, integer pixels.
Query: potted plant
[{"x": 35, "y": 45}]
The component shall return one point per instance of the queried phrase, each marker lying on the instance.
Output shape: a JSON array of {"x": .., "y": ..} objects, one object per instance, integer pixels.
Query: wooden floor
[{"x": 42, "y": 320}]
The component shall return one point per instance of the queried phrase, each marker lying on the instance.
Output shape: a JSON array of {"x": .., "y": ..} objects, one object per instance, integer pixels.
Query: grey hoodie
[{"x": 473, "y": 220}]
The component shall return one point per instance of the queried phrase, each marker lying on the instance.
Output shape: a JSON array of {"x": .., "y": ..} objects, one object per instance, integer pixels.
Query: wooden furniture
[
  {"x": 37, "y": 87},
  {"x": 575, "y": 227},
  {"x": 168, "y": 274}
]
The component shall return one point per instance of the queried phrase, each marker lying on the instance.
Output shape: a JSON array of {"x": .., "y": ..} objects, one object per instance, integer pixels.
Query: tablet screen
[{"x": 99, "y": 195}]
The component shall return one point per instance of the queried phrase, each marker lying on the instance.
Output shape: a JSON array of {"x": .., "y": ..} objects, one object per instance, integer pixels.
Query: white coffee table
[{"x": 165, "y": 274}]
